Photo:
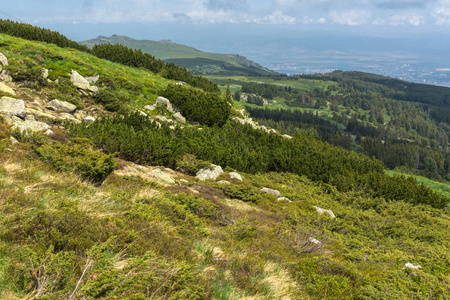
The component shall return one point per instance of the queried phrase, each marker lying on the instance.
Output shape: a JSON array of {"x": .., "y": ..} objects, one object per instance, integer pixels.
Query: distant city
[{"x": 417, "y": 74}]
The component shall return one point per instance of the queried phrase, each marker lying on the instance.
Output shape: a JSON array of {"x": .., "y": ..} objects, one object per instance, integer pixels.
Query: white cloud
[
  {"x": 442, "y": 14},
  {"x": 350, "y": 17},
  {"x": 277, "y": 17},
  {"x": 396, "y": 20}
]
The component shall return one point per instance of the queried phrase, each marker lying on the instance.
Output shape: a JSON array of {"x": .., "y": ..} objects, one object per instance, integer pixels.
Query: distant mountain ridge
[{"x": 196, "y": 61}]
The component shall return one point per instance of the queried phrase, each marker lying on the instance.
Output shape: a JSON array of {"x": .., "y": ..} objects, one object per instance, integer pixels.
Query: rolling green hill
[
  {"x": 196, "y": 61},
  {"x": 113, "y": 197}
]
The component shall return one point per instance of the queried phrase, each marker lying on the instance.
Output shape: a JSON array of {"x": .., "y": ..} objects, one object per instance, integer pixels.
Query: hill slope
[
  {"x": 197, "y": 61},
  {"x": 113, "y": 209}
]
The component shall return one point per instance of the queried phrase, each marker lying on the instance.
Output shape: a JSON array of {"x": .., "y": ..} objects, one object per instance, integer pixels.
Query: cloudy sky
[{"x": 411, "y": 13}]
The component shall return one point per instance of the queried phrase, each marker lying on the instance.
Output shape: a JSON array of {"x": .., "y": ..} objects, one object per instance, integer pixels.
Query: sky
[
  {"x": 372, "y": 15},
  {"x": 269, "y": 32}
]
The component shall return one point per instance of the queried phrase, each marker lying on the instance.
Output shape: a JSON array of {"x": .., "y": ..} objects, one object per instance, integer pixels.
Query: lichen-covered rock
[
  {"x": 45, "y": 73},
  {"x": 39, "y": 114},
  {"x": 287, "y": 136},
  {"x": 6, "y": 89},
  {"x": 150, "y": 107},
  {"x": 179, "y": 117},
  {"x": 13, "y": 107},
  {"x": 30, "y": 126},
  {"x": 61, "y": 106},
  {"x": 164, "y": 102},
  {"x": 142, "y": 113},
  {"x": 162, "y": 176},
  {"x": 323, "y": 211},
  {"x": 93, "y": 79},
  {"x": 3, "y": 60},
  {"x": 412, "y": 266},
  {"x": 89, "y": 119},
  {"x": 211, "y": 173},
  {"x": 67, "y": 116},
  {"x": 237, "y": 176},
  {"x": 284, "y": 199},
  {"x": 93, "y": 89},
  {"x": 164, "y": 119},
  {"x": 79, "y": 81},
  {"x": 270, "y": 191}
]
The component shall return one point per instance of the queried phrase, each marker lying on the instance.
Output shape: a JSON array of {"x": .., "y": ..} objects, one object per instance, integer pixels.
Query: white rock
[
  {"x": 411, "y": 266},
  {"x": 287, "y": 136},
  {"x": 93, "y": 89},
  {"x": 6, "y": 89},
  {"x": 45, "y": 73},
  {"x": 13, "y": 140},
  {"x": 39, "y": 114},
  {"x": 314, "y": 241},
  {"x": 165, "y": 103},
  {"x": 13, "y": 107},
  {"x": 284, "y": 199},
  {"x": 209, "y": 173},
  {"x": 61, "y": 106},
  {"x": 3, "y": 60},
  {"x": 150, "y": 107},
  {"x": 142, "y": 113},
  {"x": 164, "y": 119},
  {"x": 79, "y": 81},
  {"x": 89, "y": 119},
  {"x": 67, "y": 116},
  {"x": 270, "y": 191},
  {"x": 223, "y": 182},
  {"x": 48, "y": 132},
  {"x": 93, "y": 79},
  {"x": 237, "y": 176},
  {"x": 33, "y": 126},
  {"x": 322, "y": 211},
  {"x": 5, "y": 76},
  {"x": 179, "y": 117},
  {"x": 162, "y": 176}
]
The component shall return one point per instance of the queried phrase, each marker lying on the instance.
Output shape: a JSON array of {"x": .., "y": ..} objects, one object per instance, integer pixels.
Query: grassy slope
[
  {"x": 185, "y": 56},
  {"x": 137, "y": 237}
]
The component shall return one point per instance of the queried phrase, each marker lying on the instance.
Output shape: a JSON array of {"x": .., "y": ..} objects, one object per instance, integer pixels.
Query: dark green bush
[
  {"x": 79, "y": 158},
  {"x": 198, "y": 106}
]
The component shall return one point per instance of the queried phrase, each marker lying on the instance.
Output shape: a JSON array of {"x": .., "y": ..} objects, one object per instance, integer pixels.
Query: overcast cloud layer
[{"x": 277, "y": 12}]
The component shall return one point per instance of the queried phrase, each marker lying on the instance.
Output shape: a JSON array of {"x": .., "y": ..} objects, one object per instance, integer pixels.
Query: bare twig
[{"x": 88, "y": 264}]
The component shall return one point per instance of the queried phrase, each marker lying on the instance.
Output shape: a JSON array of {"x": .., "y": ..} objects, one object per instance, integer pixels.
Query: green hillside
[
  {"x": 109, "y": 193},
  {"x": 196, "y": 61}
]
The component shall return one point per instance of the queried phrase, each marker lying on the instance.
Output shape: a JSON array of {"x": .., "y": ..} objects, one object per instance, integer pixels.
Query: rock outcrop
[
  {"x": 162, "y": 176},
  {"x": 270, "y": 191},
  {"x": 161, "y": 101},
  {"x": 325, "y": 211},
  {"x": 12, "y": 107},
  {"x": 79, "y": 81},
  {"x": 6, "y": 89},
  {"x": 179, "y": 117},
  {"x": 211, "y": 173},
  {"x": 61, "y": 106},
  {"x": 234, "y": 175},
  {"x": 411, "y": 266},
  {"x": 3, "y": 60}
]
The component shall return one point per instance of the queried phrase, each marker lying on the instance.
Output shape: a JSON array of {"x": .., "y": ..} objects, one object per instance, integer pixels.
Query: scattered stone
[
  {"x": 165, "y": 103},
  {"x": 13, "y": 107},
  {"x": 93, "y": 89},
  {"x": 183, "y": 181},
  {"x": 411, "y": 266},
  {"x": 67, "y": 116},
  {"x": 237, "y": 176},
  {"x": 93, "y": 79},
  {"x": 5, "y": 76},
  {"x": 284, "y": 199},
  {"x": 89, "y": 119},
  {"x": 48, "y": 132},
  {"x": 83, "y": 93},
  {"x": 164, "y": 119},
  {"x": 270, "y": 191},
  {"x": 79, "y": 81},
  {"x": 322, "y": 211},
  {"x": 150, "y": 107},
  {"x": 6, "y": 89},
  {"x": 241, "y": 111},
  {"x": 179, "y": 117},
  {"x": 142, "y": 113},
  {"x": 30, "y": 118},
  {"x": 45, "y": 73},
  {"x": 30, "y": 126},
  {"x": 3, "y": 60},
  {"x": 223, "y": 182},
  {"x": 287, "y": 136},
  {"x": 211, "y": 173},
  {"x": 13, "y": 140},
  {"x": 162, "y": 176},
  {"x": 179, "y": 83},
  {"x": 314, "y": 241},
  {"x": 39, "y": 114},
  {"x": 61, "y": 106}
]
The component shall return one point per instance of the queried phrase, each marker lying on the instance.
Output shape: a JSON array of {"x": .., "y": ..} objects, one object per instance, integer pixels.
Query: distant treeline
[
  {"x": 116, "y": 53},
  {"x": 240, "y": 147}
]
